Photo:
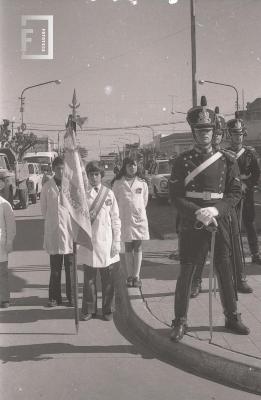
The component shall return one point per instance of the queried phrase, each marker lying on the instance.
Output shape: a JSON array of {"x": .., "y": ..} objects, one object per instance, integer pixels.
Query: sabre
[
  {"x": 241, "y": 213},
  {"x": 211, "y": 275},
  {"x": 75, "y": 288}
]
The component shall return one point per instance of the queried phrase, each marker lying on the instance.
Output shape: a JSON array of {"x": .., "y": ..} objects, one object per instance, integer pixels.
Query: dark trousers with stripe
[
  {"x": 193, "y": 246},
  {"x": 89, "y": 299}
]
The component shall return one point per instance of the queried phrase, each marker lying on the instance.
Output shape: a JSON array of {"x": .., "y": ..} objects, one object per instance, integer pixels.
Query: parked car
[
  {"x": 158, "y": 177},
  {"x": 35, "y": 181},
  {"x": 14, "y": 178}
]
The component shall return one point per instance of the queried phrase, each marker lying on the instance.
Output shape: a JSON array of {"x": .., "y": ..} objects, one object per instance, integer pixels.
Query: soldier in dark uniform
[
  {"x": 249, "y": 173},
  {"x": 204, "y": 186},
  {"x": 238, "y": 256}
]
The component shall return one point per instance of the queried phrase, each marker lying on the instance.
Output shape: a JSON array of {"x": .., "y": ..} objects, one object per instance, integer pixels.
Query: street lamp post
[
  {"x": 22, "y": 98},
  {"x": 201, "y": 82}
]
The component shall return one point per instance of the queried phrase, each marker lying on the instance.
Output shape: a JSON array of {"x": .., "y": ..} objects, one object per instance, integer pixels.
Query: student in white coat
[
  {"x": 7, "y": 234},
  {"x": 131, "y": 192},
  {"x": 58, "y": 235},
  {"x": 106, "y": 226}
]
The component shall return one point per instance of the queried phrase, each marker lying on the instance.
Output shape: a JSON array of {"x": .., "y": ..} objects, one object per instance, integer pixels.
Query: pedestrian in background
[
  {"x": 7, "y": 235},
  {"x": 131, "y": 192},
  {"x": 58, "y": 235},
  {"x": 106, "y": 227}
]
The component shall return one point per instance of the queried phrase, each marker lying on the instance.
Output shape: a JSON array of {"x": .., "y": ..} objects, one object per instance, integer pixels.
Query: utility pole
[
  {"x": 193, "y": 53},
  {"x": 243, "y": 100}
]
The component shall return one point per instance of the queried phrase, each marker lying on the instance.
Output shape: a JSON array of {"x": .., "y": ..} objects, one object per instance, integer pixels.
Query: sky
[{"x": 130, "y": 64}]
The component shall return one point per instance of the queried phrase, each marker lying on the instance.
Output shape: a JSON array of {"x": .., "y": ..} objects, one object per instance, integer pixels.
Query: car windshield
[
  {"x": 38, "y": 159},
  {"x": 46, "y": 168},
  {"x": 164, "y": 168},
  {"x": 31, "y": 169}
]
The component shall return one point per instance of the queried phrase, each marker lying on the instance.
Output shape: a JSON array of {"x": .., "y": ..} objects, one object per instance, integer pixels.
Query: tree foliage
[{"x": 19, "y": 143}]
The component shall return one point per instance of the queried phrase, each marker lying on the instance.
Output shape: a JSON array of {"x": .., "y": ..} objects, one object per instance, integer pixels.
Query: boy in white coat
[
  {"x": 106, "y": 226},
  {"x": 58, "y": 235},
  {"x": 7, "y": 234}
]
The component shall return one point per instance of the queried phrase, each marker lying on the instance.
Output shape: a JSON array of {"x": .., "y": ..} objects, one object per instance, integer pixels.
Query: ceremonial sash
[
  {"x": 241, "y": 151},
  {"x": 98, "y": 203},
  {"x": 202, "y": 166}
]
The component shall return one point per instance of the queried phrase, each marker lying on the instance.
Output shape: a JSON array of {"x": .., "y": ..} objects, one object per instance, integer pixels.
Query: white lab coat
[
  {"x": 105, "y": 229},
  {"x": 7, "y": 227},
  {"x": 132, "y": 201},
  {"x": 58, "y": 235}
]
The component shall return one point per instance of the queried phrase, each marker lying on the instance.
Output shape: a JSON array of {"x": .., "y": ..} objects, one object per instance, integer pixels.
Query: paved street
[{"x": 43, "y": 358}]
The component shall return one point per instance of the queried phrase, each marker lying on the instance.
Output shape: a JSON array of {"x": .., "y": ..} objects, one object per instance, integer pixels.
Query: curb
[{"x": 220, "y": 365}]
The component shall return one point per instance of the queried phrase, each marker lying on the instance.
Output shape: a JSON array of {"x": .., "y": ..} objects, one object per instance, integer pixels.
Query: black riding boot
[
  {"x": 182, "y": 295},
  {"x": 235, "y": 324}
]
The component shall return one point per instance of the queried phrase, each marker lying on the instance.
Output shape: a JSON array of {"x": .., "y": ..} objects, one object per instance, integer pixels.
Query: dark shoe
[
  {"x": 243, "y": 287},
  {"x": 234, "y": 324},
  {"x": 87, "y": 317},
  {"x": 179, "y": 328},
  {"x": 52, "y": 303},
  {"x": 195, "y": 289},
  {"x": 5, "y": 304},
  {"x": 256, "y": 259},
  {"x": 137, "y": 282},
  {"x": 108, "y": 317},
  {"x": 129, "y": 281}
]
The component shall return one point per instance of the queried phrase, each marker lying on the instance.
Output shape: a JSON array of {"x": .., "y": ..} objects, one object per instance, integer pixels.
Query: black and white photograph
[{"x": 130, "y": 199}]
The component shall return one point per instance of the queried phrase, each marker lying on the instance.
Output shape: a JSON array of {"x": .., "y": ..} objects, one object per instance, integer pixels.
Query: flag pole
[
  {"x": 75, "y": 288},
  {"x": 72, "y": 122}
]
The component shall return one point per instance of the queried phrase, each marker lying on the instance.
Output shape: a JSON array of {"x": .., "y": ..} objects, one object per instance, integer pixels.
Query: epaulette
[{"x": 230, "y": 155}]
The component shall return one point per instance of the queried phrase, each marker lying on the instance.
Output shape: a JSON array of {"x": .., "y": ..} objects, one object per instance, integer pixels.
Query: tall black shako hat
[
  {"x": 220, "y": 121},
  {"x": 236, "y": 124},
  {"x": 201, "y": 117}
]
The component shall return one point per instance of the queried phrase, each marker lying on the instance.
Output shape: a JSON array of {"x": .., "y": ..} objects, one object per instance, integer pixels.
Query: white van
[{"x": 41, "y": 157}]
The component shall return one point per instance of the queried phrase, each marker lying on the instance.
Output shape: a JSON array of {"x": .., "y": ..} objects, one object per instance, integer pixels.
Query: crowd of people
[{"x": 212, "y": 189}]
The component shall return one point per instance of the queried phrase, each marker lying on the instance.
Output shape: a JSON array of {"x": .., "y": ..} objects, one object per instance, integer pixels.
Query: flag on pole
[{"x": 73, "y": 193}]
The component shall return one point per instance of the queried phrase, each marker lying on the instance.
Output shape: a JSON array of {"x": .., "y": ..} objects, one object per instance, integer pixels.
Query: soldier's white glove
[
  {"x": 115, "y": 248},
  {"x": 9, "y": 247},
  {"x": 207, "y": 215}
]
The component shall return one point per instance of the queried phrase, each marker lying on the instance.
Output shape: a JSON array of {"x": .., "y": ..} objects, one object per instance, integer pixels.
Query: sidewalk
[{"x": 232, "y": 359}]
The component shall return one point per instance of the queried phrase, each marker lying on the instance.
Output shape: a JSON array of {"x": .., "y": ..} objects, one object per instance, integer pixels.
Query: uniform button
[
  {"x": 186, "y": 165},
  {"x": 185, "y": 159}
]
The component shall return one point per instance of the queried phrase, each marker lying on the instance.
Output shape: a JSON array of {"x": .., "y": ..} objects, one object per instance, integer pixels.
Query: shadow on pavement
[
  {"x": 28, "y": 316},
  {"x": 41, "y": 352},
  {"x": 29, "y": 234}
]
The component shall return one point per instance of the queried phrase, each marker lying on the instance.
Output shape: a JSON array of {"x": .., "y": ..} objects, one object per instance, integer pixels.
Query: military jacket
[
  {"x": 221, "y": 177},
  {"x": 248, "y": 166}
]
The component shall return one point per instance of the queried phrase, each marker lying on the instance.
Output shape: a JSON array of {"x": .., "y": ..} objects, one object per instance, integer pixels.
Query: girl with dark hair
[{"x": 131, "y": 192}]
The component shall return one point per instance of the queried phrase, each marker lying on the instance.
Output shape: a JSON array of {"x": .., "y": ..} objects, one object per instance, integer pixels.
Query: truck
[
  {"x": 44, "y": 158},
  {"x": 14, "y": 178}
]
